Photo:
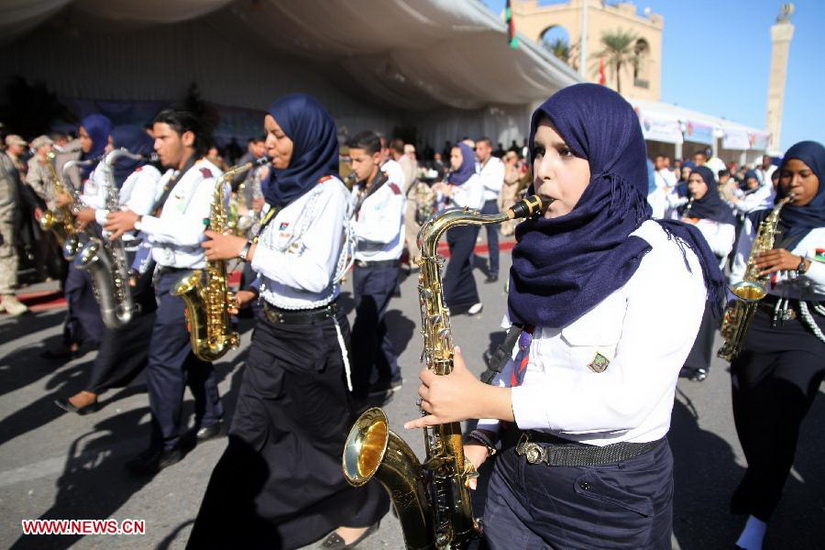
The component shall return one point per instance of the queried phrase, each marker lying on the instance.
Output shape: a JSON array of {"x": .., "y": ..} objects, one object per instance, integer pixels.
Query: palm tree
[
  {"x": 560, "y": 48},
  {"x": 619, "y": 50}
]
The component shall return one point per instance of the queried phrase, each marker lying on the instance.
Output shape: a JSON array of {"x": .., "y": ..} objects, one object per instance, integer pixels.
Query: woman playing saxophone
[
  {"x": 587, "y": 399},
  {"x": 776, "y": 376},
  {"x": 123, "y": 352}
]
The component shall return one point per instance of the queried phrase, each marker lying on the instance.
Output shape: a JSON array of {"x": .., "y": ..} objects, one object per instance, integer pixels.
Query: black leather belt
[
  {"x": 164, "y": 269},
  {"x": 379, "y": 263},
  {"x": 546, "y": 449},
  {"x": 298, "y": 316}
]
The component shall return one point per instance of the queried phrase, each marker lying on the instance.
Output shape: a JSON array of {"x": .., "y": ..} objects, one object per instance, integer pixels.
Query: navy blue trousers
[
  {"x": 460, "y": 291},
  {"x": 491, "y": 207},
  {"x": 774, "y": 382},
  {"x": 373, "y": 356},
  {"x": 624, "y": 505},
  {"x": 83, "y": 321},
  {"x": 172, "y": 365}
]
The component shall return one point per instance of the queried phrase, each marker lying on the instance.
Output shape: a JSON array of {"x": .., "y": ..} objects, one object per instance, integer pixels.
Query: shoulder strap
[
  {"x": 170, "y": 184},
  {"x": 502, "y": 354}
]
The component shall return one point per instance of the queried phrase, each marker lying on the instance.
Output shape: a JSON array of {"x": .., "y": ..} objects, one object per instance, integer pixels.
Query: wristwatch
[
  {"x": 244, "y": 251},
  {"x": 802, "y": 267}
]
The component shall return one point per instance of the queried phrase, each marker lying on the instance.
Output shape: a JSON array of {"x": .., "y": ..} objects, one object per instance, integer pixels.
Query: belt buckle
[
  {"x": 532, "y": 452},
  {"x": 273, "y": 316},
  {"x": 360, "y": 263}
]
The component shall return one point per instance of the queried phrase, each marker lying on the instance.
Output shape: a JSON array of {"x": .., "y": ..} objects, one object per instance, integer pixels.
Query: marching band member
[
  {"x": 463, "y": 189},
  {"x": 83, "y": 321},
  {"x": 175, "y": 233},
  {"x": 379, "y": 230},
  {"x": 715, "y": 221},
  {"x": 585, "y": 461},
  {"x": 123, "y": 352},
  {"x": 279, "y": 483},
  {"x": 776, "y": 376}
]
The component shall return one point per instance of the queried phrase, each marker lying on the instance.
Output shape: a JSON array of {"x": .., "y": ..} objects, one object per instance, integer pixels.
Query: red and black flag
[{"x": 512, "y": 39}]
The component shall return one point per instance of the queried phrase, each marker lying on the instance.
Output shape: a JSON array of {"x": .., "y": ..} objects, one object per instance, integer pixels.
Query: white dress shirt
[
  {"x": 138, "y": 193},
  {"x": 469, "y": 194},
  {"x": 644, "y": 330},
  {"x": 177, "y": 233},
  {"x": 492, "y": 178},
  {"x": 719, "y": 236},
  {"x": 379, "y": 224},
  {"x": 298, "y": 252},
  {"x": 395, "y": 172},
  {"x": 760, "y": 199},
  {"x": 787, "y": 284},
  {"x": 94, "y": 189}
]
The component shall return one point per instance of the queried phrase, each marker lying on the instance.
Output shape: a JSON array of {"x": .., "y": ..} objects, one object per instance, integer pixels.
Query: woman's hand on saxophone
[
  {"x": 220, "y": 246},
  {"x": 458, "y": 396},
  {"x": 778, "y": 259},
  {"x": 118, "y": 223}
]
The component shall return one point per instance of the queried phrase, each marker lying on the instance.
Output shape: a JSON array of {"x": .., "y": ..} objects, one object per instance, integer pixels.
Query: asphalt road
[{"x": 63, "y": 466}]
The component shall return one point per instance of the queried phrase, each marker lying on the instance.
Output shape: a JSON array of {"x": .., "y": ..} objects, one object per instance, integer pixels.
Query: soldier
[{"x": 9, "y": 218}]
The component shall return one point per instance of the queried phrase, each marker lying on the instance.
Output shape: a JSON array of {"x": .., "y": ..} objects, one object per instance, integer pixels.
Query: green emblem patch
[{"x": 599, "y": 363}]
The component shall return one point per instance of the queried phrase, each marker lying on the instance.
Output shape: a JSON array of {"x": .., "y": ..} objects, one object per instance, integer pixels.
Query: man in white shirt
[
  {"x": 491, "y": 172},
  {"x": 379, "y": 230},
  {"x": 764, "y": 170},
  {"x": 175, "y": 230}
]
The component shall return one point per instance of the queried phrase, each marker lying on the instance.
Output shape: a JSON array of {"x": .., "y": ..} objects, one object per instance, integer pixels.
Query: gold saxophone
[
  {"x": 208, "y": 299},
  {"x": 432, "y": 499},
  {"x": 752, "y": 288},
  {"x": 61, "y": 219}
]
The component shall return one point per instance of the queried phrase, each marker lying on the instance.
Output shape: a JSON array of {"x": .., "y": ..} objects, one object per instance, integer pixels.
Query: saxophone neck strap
[
  {"x": 170, "y": 184},
  {"x": 273, "y": 211},
  {"x": 502, "y": 353}
]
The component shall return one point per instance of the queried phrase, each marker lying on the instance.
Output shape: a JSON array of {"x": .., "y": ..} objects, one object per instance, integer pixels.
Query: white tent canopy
[
  {"x": 670, "y": 123},
  {"x": 368, "y": 61}
]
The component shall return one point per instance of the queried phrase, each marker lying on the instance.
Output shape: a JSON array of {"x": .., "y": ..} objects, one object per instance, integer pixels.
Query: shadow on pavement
[{"x": 93, "y": 483}]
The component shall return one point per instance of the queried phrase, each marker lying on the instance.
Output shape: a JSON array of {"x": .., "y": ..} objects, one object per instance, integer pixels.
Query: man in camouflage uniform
[{"x": 9, "y": 217}]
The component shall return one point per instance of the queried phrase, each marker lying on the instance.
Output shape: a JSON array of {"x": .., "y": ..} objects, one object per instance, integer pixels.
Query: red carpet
[{"x": 43, "y": 300}]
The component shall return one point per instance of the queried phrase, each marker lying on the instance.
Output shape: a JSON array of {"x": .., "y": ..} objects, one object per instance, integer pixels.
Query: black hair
[
  {"x": 397, "y": 145},
  {"x": 366, "y": 140},
  {"x": 724, "y": 173},
  {"x": 182, "y": 122},
  {"x": 484, "y": 139}
]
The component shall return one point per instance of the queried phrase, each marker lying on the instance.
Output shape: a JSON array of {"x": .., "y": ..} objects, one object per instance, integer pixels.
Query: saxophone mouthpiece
[
  {"x": 529, "y": 206},
  {"x": 262, "y": 161}
]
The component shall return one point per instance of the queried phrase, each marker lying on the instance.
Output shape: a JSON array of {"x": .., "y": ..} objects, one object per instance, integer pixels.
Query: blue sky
[{"x": 716, "y": 60}]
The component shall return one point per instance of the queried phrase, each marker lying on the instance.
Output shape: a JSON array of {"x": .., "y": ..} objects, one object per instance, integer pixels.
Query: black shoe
[
  {"x": 492, "y": 278},
  {"x": 60, "y": 355},
  {"x": 153, "y": 460},
  {"x": 67, "y": 406},
  {"x": 335, "y": 542},
  {"x": 212, "y": 431}
]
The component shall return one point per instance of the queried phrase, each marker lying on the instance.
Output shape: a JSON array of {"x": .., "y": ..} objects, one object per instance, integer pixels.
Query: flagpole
[{"x": 583, "y": 42}]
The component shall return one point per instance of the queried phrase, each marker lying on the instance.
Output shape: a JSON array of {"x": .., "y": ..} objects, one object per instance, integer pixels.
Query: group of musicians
[{"x": 279, "y": 481}]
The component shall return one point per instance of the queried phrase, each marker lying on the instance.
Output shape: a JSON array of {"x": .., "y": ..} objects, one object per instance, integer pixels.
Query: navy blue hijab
[
  {"x": 314, "y": 148},
  {"x": 99, "y": 127},
  {"x": 135, "y": 140},
  {"x": 467, "y": 168},
  {"x": 711, "y": 206},
  {"x": 563, "y": 267},
  {"x": 799, "y": 220}
]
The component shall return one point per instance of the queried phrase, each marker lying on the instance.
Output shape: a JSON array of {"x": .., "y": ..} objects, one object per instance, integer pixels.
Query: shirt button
[{"x": 584, "y": 485}]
